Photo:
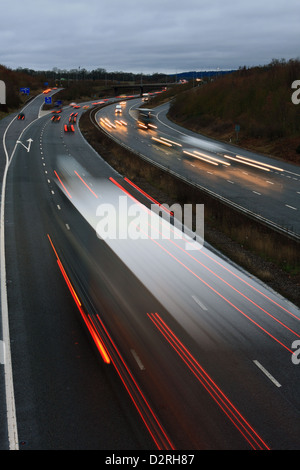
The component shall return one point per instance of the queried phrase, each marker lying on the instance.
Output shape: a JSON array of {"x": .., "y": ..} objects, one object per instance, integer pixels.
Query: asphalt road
[
  {"x": 204, "y": 350},
  {"x": 270, "y": 192}
]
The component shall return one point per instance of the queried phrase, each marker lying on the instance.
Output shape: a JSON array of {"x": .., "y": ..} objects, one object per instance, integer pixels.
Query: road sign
[
  {"x": 48, "y": 100},
  {"x": 2, "y": 92},
  {"x": 26, "y": 91}
]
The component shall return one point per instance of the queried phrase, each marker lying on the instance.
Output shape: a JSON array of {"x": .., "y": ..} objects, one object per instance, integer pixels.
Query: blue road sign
[
  {"x": 26, "y": 91},
  {"x": 48, "y": 100}
]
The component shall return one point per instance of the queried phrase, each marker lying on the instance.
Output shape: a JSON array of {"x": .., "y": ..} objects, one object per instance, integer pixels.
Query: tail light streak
[
  {"x": 147, "y": 195},
  {"x": 81, "y": 179},
  {"x": 149, "y": 418},
  {"x": 62, "y": 184},
  {"x": 95, "y": 335},
  {"x": 247, "y": 431},
  {"x": 104, "y": 344}
]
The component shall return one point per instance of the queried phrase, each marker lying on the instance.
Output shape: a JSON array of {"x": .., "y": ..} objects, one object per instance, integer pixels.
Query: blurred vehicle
[
  {"x": 118, "y": 109},
  {"x": 69, "y": 128},
  {"x": 21, "y": 116},
  {"x": 55, "y": 118},
  {"x": 146, "y": 119},
  {"x": 145, "y": 98},
  {"x": 73, "y": 117}
]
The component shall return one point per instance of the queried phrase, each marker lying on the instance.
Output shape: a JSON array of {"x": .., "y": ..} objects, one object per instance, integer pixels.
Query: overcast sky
[{"x": 140, "y": 36}]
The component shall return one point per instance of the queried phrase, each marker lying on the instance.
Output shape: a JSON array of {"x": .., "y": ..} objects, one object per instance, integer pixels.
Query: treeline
[
  {"x": 257, "y": 99},
  {"x": 14, "y": 81},
  {"x": 76, "y": 82},
  {"x": 57, "y": 74}
]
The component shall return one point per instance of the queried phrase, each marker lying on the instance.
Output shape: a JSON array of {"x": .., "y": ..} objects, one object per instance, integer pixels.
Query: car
[
  {"x": 69, "y": 128},
  {"x": 73, "y": 117},
  {"x": 118, "y": 109},
  {"x": 55, "y": 118},
  {"x": 21, "y": 116}
]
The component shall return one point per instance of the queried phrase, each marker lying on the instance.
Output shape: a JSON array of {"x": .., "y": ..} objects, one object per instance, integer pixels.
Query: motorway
[
  {"x": 188, "y": 351},
  {"x": 266, "y": 188}
]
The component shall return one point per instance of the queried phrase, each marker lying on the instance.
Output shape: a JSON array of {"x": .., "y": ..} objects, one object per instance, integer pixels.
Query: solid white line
[
  {"x": 8, "y": 374},
  {"x": 258, "y": 364},
  {"x": 9, "y": 387}
]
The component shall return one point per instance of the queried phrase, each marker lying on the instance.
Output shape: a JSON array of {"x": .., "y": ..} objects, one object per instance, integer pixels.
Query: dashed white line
[
  {"x": 291, "y": 207},
  {"x": 138, "y": 360},
  {"x": 275, "y": 382},
  {"x": 255, "y": 192},
  {"x": 195, "y": 298}
]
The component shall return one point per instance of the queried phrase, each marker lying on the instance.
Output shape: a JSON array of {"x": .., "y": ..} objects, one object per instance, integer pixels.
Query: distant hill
[
  {"x": 200, "y": 74},
  {"x": 257, "y": 99}
]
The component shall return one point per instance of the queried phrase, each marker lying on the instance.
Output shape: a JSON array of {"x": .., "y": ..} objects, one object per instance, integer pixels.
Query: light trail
[
  {"x": 243, "y": 426},
  {"x": 85, "y": 184}
]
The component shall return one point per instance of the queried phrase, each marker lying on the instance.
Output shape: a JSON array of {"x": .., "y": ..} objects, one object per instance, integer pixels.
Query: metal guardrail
[{"x": 258, "y": 218}]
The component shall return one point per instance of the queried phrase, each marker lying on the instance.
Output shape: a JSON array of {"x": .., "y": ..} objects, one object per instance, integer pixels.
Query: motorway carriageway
[{"x": 203, "y": 350}]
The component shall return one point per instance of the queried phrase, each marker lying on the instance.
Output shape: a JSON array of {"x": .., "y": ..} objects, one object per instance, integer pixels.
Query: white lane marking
[
  {"x": 270, "y": 182},
  {"x": 291, "y": 207},
  {"x": 2, "y": 352},
  {"x": 199, "y": 302},
  {"x": 231, "y": 182},
  {"x": 255, "y": 192},
  {"x": 136, "y": 357},
  {"x": 9, "y": 386},
  {"x": 258, "y": 364}
]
